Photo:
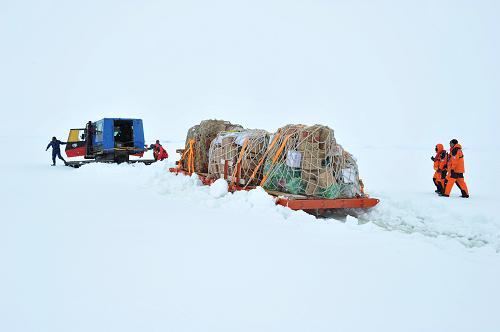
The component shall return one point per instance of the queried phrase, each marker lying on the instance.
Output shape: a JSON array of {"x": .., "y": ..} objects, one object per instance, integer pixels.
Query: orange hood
[{"x": 439, "y": 148}]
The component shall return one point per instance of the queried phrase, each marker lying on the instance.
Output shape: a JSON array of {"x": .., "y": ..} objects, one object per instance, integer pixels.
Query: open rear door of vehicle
[{"x": 76, "y": 146}]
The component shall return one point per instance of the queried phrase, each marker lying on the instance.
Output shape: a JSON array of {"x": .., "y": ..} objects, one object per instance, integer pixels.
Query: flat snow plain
[{"x": 134, "y": 248}]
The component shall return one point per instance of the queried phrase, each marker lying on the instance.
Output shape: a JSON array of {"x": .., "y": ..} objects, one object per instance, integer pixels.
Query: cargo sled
[
  {"x": 302, "y": 167},
  {"x": 320, "y": 207}
]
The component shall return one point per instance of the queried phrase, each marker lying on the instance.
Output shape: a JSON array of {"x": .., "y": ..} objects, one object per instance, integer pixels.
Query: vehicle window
[
  {"x": 81, "y": 134},
  {"x": 98, "y": 131}
]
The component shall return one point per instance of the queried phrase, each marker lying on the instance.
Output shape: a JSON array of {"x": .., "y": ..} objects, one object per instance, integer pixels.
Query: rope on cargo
[
  {"x": 297, "y": 159},
  {"x": 278, "y": 153},
  {"x": 261, "y": 161},
  {"x": 242, "y": 152}
]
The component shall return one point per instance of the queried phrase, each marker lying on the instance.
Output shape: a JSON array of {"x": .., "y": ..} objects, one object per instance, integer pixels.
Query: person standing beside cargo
[
  {"x": 56, "y": 150},
  {"x": 159, "y": 153},
  {"x": 457, "y": 170},
  {"x": 440, "y": 161}
]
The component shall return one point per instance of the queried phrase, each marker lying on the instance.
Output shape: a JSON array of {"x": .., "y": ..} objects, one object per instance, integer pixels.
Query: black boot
[
  {"x": 436, "y": 184},
  {"x": 464, "y": 194}
]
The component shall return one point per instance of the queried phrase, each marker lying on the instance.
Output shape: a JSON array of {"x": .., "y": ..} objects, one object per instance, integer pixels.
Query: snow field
[
  {"x": 134, "y": 247},
  {"x": 401, "y": 177}
]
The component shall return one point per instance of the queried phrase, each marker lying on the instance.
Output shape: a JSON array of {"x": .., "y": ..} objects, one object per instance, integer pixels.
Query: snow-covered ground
[
  {"x": 135, "y": 248},
  {"x": 402, "y": 178}
]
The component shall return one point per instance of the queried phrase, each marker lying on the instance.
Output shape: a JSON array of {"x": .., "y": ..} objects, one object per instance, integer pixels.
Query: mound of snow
[{"x": 219, "y": 188}]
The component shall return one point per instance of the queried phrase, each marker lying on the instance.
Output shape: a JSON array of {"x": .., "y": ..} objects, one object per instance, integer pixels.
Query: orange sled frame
[{"x": 317, "y": 206}]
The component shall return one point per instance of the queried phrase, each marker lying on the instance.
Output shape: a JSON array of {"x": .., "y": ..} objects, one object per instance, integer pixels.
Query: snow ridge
[{"x": 430, "y": 217}]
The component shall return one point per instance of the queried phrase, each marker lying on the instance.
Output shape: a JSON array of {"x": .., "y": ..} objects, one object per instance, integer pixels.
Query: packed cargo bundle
[
  {"x": 199, "y": 137},
  {"x": 302, "y": 167},
  {"x": 306, "y": 160},
  {"x": 236, "y": 155}
]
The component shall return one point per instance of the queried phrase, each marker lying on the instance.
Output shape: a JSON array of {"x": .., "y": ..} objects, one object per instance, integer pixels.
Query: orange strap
[
  {"x": 242, "y": 152},
  {"x": 190, "y": 154},
  {"x": 278, "y": 153},
  {"x": 261, "y": 161}
]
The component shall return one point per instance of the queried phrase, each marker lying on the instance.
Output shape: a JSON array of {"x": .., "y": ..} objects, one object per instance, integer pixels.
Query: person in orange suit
[
  {"x": 440, "y": 165},
  {"x": 457, "y": 170}
]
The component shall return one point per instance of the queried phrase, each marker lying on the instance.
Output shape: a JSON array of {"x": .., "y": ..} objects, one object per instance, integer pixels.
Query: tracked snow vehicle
[{"x": 109, "y": 140}]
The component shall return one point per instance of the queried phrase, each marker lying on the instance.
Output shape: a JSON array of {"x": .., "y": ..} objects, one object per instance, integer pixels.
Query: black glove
[{"x": 432, "y": 158}]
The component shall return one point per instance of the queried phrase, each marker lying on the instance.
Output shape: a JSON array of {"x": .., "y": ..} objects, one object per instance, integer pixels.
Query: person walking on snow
[
  {"x": 56, "y": 150},
  {"x": 440, "y": 161},
  {"x": 457, "y": 170}
]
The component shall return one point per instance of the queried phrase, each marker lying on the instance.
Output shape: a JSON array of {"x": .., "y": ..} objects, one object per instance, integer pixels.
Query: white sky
[{"x": 378, "y": 72}]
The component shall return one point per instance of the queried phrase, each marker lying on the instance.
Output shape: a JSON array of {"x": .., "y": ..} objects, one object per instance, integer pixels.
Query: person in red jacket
[
  {"x": 159, "y": 153},
  {"x": 440, "y": 165},
  {"x": 457, "y": 170}
]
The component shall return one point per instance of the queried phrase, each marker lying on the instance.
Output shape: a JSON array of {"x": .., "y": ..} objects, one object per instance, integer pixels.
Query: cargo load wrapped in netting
[
  {"x": 235, "y": 156},
  {"x": 198, "y": 140},
  {"x": 306, "y": 160}
]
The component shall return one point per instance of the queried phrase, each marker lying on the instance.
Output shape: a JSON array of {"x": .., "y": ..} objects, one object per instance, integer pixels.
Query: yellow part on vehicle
[{"x": 73, "y": 135}]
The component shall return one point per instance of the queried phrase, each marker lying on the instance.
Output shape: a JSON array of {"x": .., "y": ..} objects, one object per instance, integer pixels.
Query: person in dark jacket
[
  {"x": 56, "y": 150},
  {"x": 89, "y": 139}
]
